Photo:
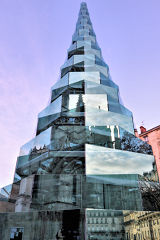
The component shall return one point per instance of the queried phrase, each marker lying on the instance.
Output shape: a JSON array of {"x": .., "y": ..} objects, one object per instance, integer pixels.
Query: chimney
[
  {"x": 136, "y": 132},
  {"x": 143, "y": 129}
]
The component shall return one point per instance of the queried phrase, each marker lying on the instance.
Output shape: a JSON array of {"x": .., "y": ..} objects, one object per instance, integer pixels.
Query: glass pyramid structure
[{"x": 84, "y": 156}]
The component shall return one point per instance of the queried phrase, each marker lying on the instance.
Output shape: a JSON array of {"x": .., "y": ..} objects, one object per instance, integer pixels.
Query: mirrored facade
[{"x": 84, "y": 166}]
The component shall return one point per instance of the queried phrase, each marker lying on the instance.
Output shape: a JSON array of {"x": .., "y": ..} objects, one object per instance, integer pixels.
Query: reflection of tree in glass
[
  {"x": 80, "y": 104},
  {"x": 150, "y": 195},
  {"x": 131, "y": 143},
  {"x": 63, "y": 165}
]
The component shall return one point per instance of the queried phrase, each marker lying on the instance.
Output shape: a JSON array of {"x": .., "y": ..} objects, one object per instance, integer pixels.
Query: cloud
[{"x": 100, "y": 160}]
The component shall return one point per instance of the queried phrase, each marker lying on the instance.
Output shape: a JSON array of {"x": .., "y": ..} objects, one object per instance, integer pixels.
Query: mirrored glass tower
[{"x": 84, "y": 158}]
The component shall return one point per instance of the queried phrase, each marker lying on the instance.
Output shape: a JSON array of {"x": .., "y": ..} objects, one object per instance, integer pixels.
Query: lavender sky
[{"x": 34, "y": 37}]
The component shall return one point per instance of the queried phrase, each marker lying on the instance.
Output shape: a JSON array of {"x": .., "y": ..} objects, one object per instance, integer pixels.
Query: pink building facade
[{"x": 152, "y": 137}]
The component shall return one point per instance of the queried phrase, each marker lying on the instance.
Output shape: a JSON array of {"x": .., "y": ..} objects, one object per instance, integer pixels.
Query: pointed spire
[{"x": 83, "y": 18}]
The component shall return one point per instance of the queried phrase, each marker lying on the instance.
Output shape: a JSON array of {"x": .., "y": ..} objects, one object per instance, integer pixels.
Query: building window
[
  {"x": 16, "y": 233},
  {"x": 145, "y": 138}
]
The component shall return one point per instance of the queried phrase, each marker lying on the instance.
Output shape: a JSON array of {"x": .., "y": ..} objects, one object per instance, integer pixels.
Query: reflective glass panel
[
  {"x": 38, "y": 142},
  {"x": 100, "y": 160},
  {"x": 53, "y": 108},
  {"x": 61, "y": 82}
]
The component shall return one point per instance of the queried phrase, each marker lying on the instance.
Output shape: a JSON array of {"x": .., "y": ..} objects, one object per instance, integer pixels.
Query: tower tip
[{"x": 83, "y": 3}]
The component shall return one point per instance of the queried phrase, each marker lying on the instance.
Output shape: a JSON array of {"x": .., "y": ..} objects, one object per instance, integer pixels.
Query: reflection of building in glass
[
  {"x": 16, "y": 233},
  {"x": 142, "y": 225},
  {"x": 84, "y": 154},
  {"x": 42, "y": 225},
  {"x": 152, "y": 137},
  {"x": 105, "y": 224}
]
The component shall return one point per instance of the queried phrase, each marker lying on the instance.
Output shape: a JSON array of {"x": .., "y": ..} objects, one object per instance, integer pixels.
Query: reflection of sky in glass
[
  {"x": 96, "y": 52},
  {"x": 78, "y": 76},
  {"x": 54, "y": 107},
  {"x": 69, "y": 62},
  {"x": 100, "y": 160},
  {"x": 81, "y": 44},
  {"x": 102, "y": 69},
  {"x": 61, "y": 82},
  {"x": 5, "y": 191},
  {"x": 92, "y": 87},
  {"x": 102, "y": 118},
  {"x": 96, "y": 101}
]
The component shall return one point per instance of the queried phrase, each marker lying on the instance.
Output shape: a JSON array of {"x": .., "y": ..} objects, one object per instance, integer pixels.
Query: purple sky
[{"x": 35, "y": 35}]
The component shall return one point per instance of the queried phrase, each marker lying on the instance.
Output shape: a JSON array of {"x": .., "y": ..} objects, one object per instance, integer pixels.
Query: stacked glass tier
[{"x": 84, "y": 158}]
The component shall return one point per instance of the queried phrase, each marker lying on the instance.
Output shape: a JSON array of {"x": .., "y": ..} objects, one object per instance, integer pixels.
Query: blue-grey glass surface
[{"x": 84, "y": 156}]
